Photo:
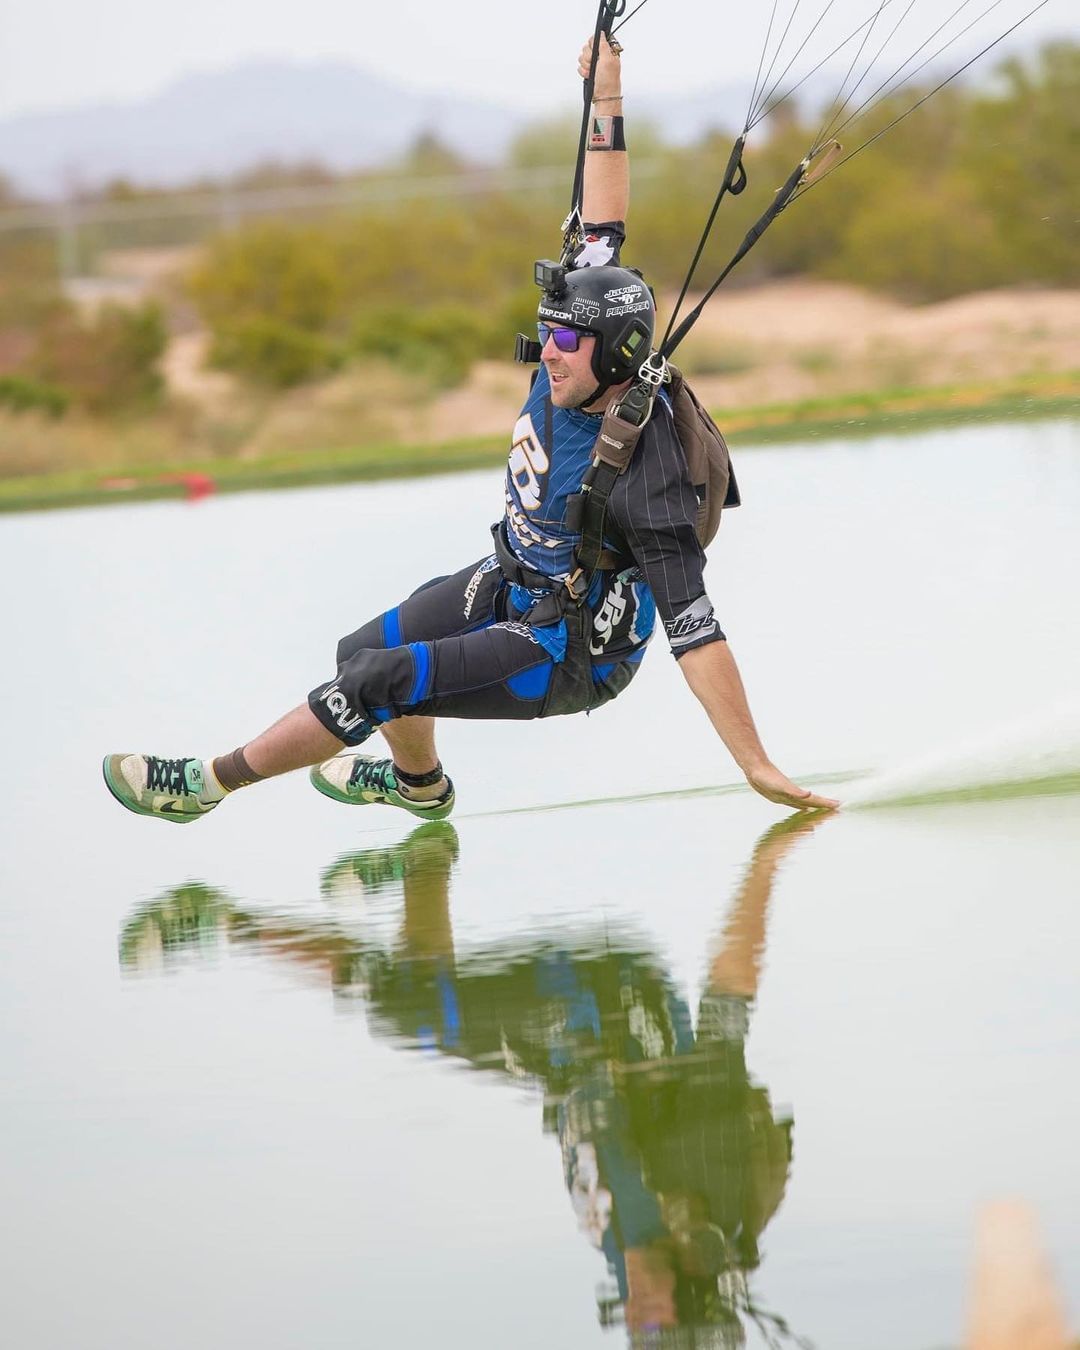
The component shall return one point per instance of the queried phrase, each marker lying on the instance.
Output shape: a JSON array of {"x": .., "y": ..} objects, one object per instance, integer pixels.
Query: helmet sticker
[
  {"x": 586, "y": 309},
  {"x": 626, "y": 300},
  {"x": 616, "y": 310}
]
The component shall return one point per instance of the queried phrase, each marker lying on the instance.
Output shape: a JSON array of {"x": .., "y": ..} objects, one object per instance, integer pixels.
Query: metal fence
[{"x": 80, "y": 227}]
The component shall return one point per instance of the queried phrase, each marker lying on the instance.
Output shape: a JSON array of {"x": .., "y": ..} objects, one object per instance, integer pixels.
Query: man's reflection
[{"x": 673, "y": 1157}]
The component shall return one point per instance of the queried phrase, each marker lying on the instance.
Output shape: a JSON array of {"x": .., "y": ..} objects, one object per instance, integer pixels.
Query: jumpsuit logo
[
  {"x": 529, "y": 463},
  {"x": 607, "y": 619},
  {"x": 338, "y": 705}
]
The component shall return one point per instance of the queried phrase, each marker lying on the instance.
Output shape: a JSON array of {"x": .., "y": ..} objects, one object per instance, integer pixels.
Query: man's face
[{"x": 570, "y": 373}]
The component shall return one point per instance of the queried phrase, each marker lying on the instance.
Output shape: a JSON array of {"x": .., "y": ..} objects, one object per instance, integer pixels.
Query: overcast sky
[{"x": 62, "y": 53}]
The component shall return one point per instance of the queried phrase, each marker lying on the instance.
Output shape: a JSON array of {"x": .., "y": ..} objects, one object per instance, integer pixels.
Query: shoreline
[{"x": 887, "y": 412}]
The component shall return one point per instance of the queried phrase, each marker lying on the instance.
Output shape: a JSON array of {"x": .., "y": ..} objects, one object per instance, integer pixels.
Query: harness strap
[
  {"x": 620, "y": 431},
  {"x": 519, "y": 575},
  {"x": 591, "y": 555}
]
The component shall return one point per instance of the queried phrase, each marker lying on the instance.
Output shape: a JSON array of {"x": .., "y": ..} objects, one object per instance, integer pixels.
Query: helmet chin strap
[
  {"x": 603, "y": 385},
  {"x": 599, "y": 392}
]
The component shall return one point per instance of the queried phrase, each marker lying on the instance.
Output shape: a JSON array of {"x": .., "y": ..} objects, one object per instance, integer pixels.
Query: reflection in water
[{"x": 673, "y": 1157}]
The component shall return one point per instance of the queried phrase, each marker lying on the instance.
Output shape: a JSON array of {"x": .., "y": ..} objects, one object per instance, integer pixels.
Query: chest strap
[
  {"x": 620, "y": 432},
  {"x": 518, "y": 574}
]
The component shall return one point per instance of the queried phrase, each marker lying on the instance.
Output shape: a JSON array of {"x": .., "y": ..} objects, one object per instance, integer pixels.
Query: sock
[
  {"x": 211, "y": 791},
  {"x": 421, "y": 787},
  {"x": 229, "y": 772}
]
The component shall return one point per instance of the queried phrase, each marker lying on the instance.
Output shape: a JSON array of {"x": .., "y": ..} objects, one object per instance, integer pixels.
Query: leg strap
[{"x": 420, "y": 780}]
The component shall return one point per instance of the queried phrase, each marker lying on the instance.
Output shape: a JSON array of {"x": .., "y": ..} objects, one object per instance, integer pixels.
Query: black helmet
[{"x": 612, "y": 302}]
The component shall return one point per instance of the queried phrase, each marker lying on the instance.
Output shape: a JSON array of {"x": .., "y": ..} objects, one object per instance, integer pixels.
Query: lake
[{"x": 613, "y": 1050}]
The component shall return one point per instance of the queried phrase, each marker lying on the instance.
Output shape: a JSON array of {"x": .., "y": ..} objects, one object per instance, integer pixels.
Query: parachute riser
[
  {"x": 608, "y": 12},
  {"x": 808, "y": 170}
]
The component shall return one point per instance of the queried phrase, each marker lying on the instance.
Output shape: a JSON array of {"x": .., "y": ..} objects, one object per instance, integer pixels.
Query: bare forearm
[
  {"x": 712, "y": 674},
  {"x": 606, "y": 189},
  {"x": 606, "y": 185},
  {"x": 714, "y": 677}
]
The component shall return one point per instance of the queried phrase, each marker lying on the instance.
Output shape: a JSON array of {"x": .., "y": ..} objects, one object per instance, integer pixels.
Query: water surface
[{"x": 305, "y": 1076}]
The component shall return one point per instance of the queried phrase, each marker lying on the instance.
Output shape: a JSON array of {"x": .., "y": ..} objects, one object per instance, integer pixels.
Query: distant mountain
[{"x": 222, "y": 122}]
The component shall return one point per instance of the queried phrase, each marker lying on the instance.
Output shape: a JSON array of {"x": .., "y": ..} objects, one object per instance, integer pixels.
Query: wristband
[{"x": 607, "y": 134}]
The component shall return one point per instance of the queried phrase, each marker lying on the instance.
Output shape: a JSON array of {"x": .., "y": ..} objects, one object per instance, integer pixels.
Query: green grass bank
[{"x": 888, "y": 412}]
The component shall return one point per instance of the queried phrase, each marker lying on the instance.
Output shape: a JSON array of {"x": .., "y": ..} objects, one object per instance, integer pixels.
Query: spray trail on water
[{"x": 1037, "y": 756}]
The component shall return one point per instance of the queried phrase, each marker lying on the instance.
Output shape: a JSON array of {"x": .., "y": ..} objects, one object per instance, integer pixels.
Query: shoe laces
[
  {"x": 166, "y": 775},
  {"x": 370, "y": 773}
]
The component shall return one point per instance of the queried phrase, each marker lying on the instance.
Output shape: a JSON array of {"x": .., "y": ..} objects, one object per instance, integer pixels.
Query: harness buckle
[
  {"x": 654, "y": 375},
  {"x": 577, "y": 583}
]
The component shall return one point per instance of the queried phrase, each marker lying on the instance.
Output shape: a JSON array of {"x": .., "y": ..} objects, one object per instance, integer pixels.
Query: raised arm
[{"x": 606, "y": 189}]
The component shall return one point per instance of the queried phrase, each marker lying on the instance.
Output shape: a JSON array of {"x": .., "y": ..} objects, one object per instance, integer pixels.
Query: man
[{"x": 503, "y": 638}]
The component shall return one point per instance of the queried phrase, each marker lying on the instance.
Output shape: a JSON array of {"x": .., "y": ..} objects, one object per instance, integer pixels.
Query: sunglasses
[{"x": 566, "y": 339}]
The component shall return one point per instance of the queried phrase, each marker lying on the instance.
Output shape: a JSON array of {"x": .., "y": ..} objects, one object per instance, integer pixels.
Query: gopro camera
[{"x": 550, "y": 276}]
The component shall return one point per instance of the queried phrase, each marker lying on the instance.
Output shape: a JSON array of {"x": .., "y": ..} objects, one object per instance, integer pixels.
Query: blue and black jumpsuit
[{"x": 473, "y": 645}]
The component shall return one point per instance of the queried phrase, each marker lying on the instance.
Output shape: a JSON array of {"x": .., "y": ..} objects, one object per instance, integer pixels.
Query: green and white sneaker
[
  {"x": 170, "y": 789},
  {"x": 357, "y": 780}
]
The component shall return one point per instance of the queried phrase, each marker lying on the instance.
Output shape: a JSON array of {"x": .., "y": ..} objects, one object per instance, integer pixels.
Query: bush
[
  {"x": 922, "y": 247},
  {"x": 440, "y": 343},
  {"x": 24, "y": 395},
  {"x": 272, "y": 352},
  {"x": 107, "y": 364},
  {"x": 270, "y": 270},
  {"x": 29, "y": 289}
]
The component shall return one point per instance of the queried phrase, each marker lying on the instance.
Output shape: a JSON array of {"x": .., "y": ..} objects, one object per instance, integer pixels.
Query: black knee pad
[
  {"x": 372, "y": 685},
  {"x": 371, "y": 635}
]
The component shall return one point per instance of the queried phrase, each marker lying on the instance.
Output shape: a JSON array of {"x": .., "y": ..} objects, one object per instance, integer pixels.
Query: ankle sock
[
  {"x": 211, "y": 790},
  {"x": 229, "y": 772},
  {"x": 421, "y": 787}
]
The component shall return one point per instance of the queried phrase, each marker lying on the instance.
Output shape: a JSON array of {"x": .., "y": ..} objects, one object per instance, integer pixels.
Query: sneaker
[
  {"x": 359, "y": 779},
  {"x": 152, "y": 786}
]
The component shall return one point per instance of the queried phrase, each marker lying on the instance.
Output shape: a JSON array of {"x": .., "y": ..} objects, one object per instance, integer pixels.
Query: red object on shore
[{"x": 195, "y": 485}]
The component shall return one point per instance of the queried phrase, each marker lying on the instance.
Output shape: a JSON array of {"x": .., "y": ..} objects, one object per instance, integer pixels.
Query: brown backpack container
[{"x": 707, "y": 457}]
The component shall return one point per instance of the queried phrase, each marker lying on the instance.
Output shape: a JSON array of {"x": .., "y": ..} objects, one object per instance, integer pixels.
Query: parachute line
[
  {"x": 825, "y": 154},
  {"x": 641, "y": 5},
  {"x": 835, "y": 131},
  {"x": 915, "y": 106},
  {"x": 899, "y": 77},
  {"x": 841, "y": 99},
  {"x": 784, "y": 38},
  {"x": 760, "y": 65},
  {"x": 765, "y": 111}
]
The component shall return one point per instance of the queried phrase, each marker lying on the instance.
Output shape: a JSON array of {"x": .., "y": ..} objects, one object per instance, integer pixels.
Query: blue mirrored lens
[{"x": 566, "y": 339}]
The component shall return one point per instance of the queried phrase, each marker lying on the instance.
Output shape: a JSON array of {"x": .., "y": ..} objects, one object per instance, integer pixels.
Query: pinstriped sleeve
[{"x": 654, "y": 507}]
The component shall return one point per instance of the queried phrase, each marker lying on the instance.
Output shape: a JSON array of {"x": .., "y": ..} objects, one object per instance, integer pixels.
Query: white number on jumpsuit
[{"x": 528, "y": 463}]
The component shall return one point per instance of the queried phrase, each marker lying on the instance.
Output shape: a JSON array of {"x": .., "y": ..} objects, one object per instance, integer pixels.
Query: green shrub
[
  {"x": 922, "y": 247},
  {"x": 270, "y": 270},
  {"x": 440, "y": 343},
  {"x": 272, "y": 352},
  {"x": 517, "y": 314},
  {"x": 704, "y": 357},
  {"x": 25, "y": 395},
  {"x": 107, "y": 364}
]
